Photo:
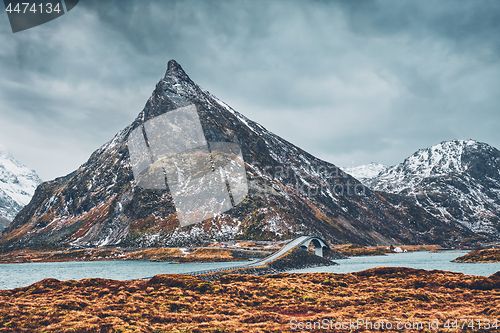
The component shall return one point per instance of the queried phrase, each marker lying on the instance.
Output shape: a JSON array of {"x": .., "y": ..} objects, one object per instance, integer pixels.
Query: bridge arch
[{"x": 318, "y": 243}]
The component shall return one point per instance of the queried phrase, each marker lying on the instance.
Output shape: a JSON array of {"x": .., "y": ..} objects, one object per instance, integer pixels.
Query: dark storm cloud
[{"x": 349, "y": 81}]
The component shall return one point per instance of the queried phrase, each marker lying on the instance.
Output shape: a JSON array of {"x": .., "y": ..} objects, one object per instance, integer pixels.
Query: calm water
[
  {"x": 423, "y": 260},
  {"x": 21, "y": 275}
]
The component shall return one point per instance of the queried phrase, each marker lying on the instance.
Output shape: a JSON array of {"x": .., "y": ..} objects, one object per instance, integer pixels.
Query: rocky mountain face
[
  {"x": 455, "y": 181},
  {"x": 120, "y": 197},
  {"x": 17, "y": 186}
]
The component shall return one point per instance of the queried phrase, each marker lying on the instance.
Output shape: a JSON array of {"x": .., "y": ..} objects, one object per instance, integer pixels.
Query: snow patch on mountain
[
  {"x": 455, "y": 181},
  {"x": 17, "y": 184},
  {"x": 439, "y": 160},
  {"x": 366, "y": 172}
]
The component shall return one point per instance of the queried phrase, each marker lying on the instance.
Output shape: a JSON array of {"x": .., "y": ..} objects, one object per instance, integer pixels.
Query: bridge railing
[{"x": 215, "y": 270}]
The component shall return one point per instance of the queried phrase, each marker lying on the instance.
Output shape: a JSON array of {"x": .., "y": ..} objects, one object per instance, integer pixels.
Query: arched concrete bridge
[
  {"x": 318, "y": 243},
  {"x": 302, "y": 241}
]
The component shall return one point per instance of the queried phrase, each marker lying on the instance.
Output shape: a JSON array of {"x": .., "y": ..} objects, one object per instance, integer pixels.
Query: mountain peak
[
  {"x": 453, "y": 144},
  {"x": 175, "y": 76},
  {"x": 174, "y": 90},
  {"x": 365, "y": 173},
  {"x": 174, "y": 67},
  {"x": 454, "y": 180}
]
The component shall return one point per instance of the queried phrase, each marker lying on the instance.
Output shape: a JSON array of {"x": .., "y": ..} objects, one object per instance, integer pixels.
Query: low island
[{"x": 484, "y": 256}]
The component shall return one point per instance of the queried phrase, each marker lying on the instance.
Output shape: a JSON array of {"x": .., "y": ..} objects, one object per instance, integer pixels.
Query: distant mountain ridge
[
  {"x": 455, "y": 181},
  {"x": 365, "y": 173},
  {"x": 290, "y": 193},
  {"x": 3, "y": 223},
  {"x": 17, "y": 186}
]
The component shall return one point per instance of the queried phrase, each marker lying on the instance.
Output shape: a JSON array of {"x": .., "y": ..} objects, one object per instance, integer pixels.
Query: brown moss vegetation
[
  {"x": 241, "y": 303},
  {"x": 193, "y": 255},
  {"x": 355, "y": 250},
  {"x": 488, "y": 255}
]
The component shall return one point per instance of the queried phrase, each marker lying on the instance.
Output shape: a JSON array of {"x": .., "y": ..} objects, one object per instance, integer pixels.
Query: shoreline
[
  {"x": 15, "y": 276},
  {"x": 243, "y": 251},
  {"x": 174, "y": 255}
]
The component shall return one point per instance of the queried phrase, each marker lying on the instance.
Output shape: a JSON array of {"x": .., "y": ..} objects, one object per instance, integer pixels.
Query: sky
[{"x": 351, "y": 82}]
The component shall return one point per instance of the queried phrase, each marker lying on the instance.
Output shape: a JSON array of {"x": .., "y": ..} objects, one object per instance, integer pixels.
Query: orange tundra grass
[{"x": 245, "y": 303}]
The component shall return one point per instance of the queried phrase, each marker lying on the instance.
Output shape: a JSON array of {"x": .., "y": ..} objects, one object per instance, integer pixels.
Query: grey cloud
[{"x": 348, "y": 81}]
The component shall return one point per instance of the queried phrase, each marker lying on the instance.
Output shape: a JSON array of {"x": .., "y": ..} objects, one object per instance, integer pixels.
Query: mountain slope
[
  {"x": 17, "y": 185},
  {"x": 290, "y": 192},
  {"x": 455, "y": 181}
]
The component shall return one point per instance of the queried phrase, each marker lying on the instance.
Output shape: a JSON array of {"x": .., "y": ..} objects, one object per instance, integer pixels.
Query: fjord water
[
  {"x": 420, "y": 260},
  {"x": 21, "y": 275}
]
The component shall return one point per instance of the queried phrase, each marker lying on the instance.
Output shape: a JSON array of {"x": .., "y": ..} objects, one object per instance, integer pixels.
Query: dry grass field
[{"x": 243, "y": 303}]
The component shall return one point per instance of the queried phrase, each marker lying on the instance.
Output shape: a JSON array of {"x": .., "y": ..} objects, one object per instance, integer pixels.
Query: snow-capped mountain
[
  {"x": 290, "y": 192},
  {"x": 365, "y": 173},
  {"x": 17, "y": 186},
  {"x": 454, "y": 181}
]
